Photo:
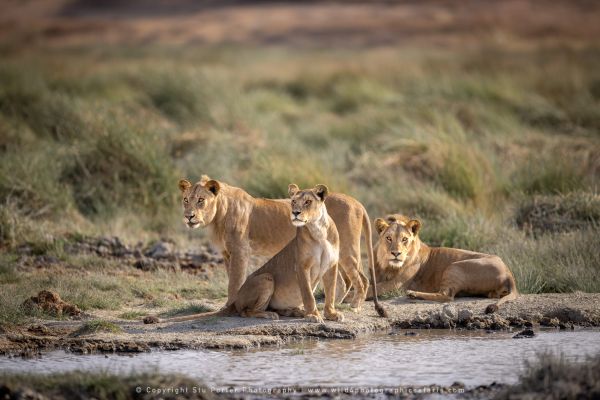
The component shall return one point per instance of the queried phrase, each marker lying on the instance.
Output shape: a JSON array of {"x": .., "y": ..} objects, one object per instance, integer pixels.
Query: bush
[
  {"x": 561, "y": 262},
  {"x": 30, "y": 180},
  {"x": 25, "y": 96},
  {"x": 558, "y": 213},
  {"x": 123, "y": 168},
  {"x": 550, "y": 174},
  {"x": 552, "y": 377}
]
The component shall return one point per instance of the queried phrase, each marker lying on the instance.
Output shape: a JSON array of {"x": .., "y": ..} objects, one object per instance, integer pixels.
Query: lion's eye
[
  {"x": 405, "y": 240},
  {"x": 200, "y": 201},
  {"x": 389, "y": 239},
  {"x": 307, "y": 202},
  {"x": 185, "y": 199},
  {"x": 294, "y": 202}
]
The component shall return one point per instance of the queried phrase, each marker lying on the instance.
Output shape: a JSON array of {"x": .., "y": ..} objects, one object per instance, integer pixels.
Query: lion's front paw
[
  {"x": 356, "y": 305},
  {"x": 314, "y": 318},
  {"x": 335, "y": 316},
  {"x": 356, "y": 309},
  {"x": 411, "y": 295},
  {"x": 271, "y": 315}
]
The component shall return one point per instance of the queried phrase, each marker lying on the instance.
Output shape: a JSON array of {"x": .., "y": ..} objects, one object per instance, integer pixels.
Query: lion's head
[
  {"x": 398, "y": 240},
  {"x": 308, "y": 204},
  {"x": 199, "y": 201}
]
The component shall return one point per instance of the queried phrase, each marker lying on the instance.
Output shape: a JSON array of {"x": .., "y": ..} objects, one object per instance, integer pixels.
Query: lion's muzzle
[
  {"x": 296, "y": 221},
  {"x": 191, "y": 221},
  {"x": 396, "y": 261}
]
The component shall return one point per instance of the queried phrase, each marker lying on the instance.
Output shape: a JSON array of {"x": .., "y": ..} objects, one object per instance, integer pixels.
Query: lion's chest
[{"x": 324, "y": 256}]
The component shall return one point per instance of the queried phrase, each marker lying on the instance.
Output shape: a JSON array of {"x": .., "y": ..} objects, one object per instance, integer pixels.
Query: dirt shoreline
[{"x": 562, "y": 311}]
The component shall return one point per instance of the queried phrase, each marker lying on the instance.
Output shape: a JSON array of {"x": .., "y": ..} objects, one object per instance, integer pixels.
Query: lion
[
  {"x": 436, "y": 273},
  {"x": 242, "y": 225},
  {"x": 287, "y": 281}
]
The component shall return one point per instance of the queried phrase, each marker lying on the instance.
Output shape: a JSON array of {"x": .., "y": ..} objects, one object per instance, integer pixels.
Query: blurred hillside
[{"x": 305, "y": 23}]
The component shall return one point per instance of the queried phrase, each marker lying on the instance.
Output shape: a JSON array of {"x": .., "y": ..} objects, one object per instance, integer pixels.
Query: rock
[
  {"x": 526, "y": 333},
  {"x": 161, "y": 249},
  {"x": 20, "y": 394},
  {"x": 465, "y": 315},
  {"x": 39, "y": 330},
  {"x": 151, "y": 319},
  {"x": 50, "y": 302},
  {"x": 146, "y": 264},
  {"x": 492, "y": 308},
  {"x": 45, "y": 260},
  {"x": 497, "y": 322},
  {"x": 410, "y": 333},
  {"x": 552, "y": 322},
  {"x": 449, "y": 311}
]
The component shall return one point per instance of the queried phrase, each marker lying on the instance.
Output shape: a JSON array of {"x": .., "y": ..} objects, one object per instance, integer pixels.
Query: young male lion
[
  {"x": 287, "y": 281},
  {"x": 242, "y": 225},
  {"x": 436, "y": 273}
]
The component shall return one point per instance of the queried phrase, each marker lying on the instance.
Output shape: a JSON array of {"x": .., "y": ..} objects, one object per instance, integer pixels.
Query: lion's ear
[
  {"x": 213, "y": 186},
  {"x": 184, "y": 185},
  {"x": 380, "y": 225},
  {"x": 321, "y": 191},
  {"x": 414, "y": 225},
  {"x": 292, "y": 189},
  {"x": 204, "y": 179}
]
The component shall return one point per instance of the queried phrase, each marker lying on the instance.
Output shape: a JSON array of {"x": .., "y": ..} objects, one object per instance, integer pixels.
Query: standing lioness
[
  {"x": 436, "y": 273},
  {"x": 242, "y": 225},
  {"x": 287, "y": 281}
]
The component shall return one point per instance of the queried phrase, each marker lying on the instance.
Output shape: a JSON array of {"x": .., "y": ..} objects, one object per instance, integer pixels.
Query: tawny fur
[
  {"x": 285, "y": 284},
  {"x": 242, "y": 225},
  {"x": 435, "y": 273}
]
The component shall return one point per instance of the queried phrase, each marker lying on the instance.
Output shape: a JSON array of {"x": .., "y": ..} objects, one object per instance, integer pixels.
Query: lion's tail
[
  {"x": 513, "y": 293},
  {"x": 369, "y": 239},
  {"x": 227, "y": 311}
]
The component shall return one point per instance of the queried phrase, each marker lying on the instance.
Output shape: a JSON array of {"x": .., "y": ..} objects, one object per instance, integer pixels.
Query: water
[{"x": 432, "y": 357}]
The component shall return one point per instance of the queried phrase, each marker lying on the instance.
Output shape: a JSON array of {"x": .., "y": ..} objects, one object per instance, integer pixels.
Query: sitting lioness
[
  {"x": 436, "y": 273},
  {"x": 242, "y": 225},
  {"x": 287, "y": 281}
]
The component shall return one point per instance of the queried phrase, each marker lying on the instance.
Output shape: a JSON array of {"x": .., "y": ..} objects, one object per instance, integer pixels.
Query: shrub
[
  {"x": 558, "y": 213},
  {"x": 561, "y": 262},
  {"x": 552, "y": 376},
  {"x": 123, "y": 168}
]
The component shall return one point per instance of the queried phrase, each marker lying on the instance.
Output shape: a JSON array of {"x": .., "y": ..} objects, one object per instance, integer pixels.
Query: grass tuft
[{"x": 97, "y": 326}]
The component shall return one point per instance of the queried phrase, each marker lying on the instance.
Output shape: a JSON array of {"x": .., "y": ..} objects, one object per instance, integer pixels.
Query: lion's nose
[
  {"x": 190, "y": 216},
  {"x": 296, "y": 213},
  {"x": 395, "y": 253}
]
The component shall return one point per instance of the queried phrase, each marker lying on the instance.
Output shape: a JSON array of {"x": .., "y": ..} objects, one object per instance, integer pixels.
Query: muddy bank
[{"x": 562, "y": 311}]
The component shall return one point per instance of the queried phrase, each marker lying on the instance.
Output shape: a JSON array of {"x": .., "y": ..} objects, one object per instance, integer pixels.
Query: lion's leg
[
  {"x": 254, "y": 297},
  {"x": 342, "y": 287},
  {"x": 442, "y": 296},
  {"x": 311, "y": 313},
  {"x": 365, "y": 282},
  {"x": 451, "y": 283},
  {"x": 350, "y": 263},
  {"x": 292, "y": 312},
  {"x": 363, "y": 278},
  {"x": 329, "y": 279},
  {"x": 236, "y": 271},
  {"x": 384, "y": 287}
]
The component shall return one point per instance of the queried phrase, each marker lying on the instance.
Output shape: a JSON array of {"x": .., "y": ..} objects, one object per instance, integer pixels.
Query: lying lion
[
  {"x": 436, "y": 273},
  {"x": 287, "y": 281},
  {"x": 242, "y": 225}
]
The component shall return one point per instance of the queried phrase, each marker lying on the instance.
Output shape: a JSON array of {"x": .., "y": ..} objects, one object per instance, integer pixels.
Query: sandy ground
[{"x": 564, "y": 311}]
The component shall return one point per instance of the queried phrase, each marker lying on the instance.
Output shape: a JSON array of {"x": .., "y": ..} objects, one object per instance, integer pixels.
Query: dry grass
[{"x": 464, "y": 141}]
